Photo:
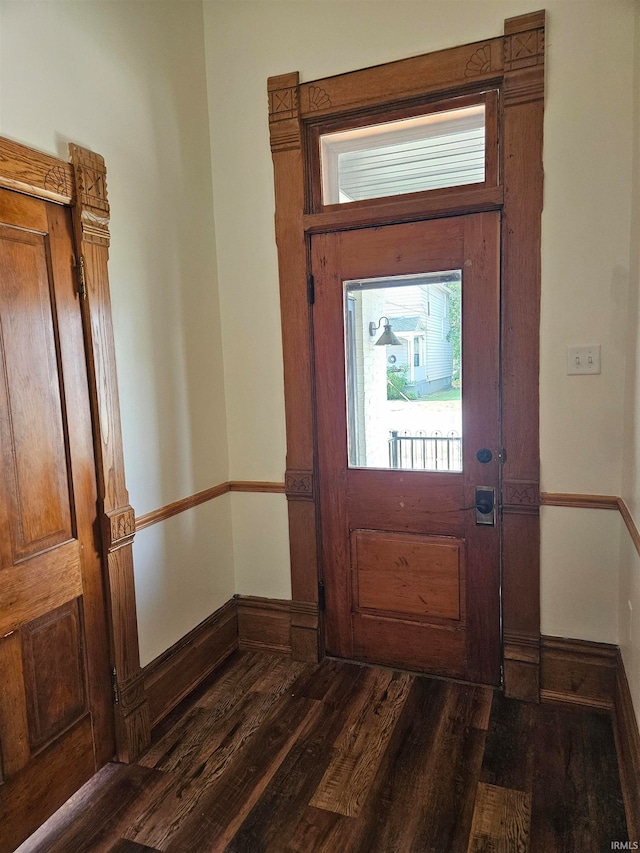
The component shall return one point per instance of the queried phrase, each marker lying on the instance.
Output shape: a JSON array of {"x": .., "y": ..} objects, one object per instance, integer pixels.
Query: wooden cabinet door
[
  {"x": 56, "y": 725},
  {"x": 411, "y": 569}
]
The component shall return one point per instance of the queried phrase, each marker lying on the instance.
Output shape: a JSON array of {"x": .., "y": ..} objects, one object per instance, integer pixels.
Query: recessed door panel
[
  {"x": 34, "y": 459},
  {"x": 407, "y": 575}
]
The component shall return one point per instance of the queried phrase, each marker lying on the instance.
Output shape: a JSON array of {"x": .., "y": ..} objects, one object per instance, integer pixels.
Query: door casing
[
  {"x": 81, "y": 186},
  {"x": 512, "y": 64}
]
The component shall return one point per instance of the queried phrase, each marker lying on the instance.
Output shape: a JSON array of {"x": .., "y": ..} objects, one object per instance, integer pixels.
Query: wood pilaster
[
  {"x": 117, "y": 520},
  {"x": 523, "y": 105},
  {"x": 286, "y": 147}
]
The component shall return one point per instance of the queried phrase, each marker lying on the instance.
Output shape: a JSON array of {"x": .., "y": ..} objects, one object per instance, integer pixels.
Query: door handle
[{"x": 485, "y": 505}]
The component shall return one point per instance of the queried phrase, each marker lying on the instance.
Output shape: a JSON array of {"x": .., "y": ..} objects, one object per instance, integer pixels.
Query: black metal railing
[{"x": 435, "y": 452}]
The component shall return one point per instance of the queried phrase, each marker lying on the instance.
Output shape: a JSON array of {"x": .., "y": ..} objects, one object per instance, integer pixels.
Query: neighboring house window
[{"x": 416, "y": 358}]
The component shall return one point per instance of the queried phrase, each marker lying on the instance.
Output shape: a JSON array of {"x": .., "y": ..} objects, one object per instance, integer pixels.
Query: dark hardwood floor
[{"x": 273, "y": 755}]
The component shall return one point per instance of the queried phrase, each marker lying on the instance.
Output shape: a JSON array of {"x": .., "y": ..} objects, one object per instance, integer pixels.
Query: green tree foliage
[
  {"x": 455, "y": 332},
  {"x": 396, "y": 382}
]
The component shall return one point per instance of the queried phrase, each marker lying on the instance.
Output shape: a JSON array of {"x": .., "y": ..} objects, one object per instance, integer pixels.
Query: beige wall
[
  {"x": 629, "y": 591},
  {"x": 588, "y": 138},
  {"x": 127, "y": 79}
]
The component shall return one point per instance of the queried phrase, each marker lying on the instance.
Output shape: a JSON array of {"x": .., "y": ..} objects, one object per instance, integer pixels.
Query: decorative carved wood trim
[
  {"x": 34, "y": 173},
  {"x": 521, "y": 151},
  {"x": 520, "y": 496},
  {"x": 289, "y": 173},
  {"x": 91, "y": 224},
  {"x": 284, "y": 112},
  {"x": 443, "y": 70},
  {"x": 446, "y": 73},
  {"x": 120, "y": 527},
  {"x": 299, "y": 485}
]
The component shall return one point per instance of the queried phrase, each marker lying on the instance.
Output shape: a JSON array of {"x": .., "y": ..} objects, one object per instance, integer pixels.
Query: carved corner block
[
  {"x": 284, "y": 112},
  {"x": 524, "y": 62},
  {"x": 119, "y": 527},
  {"x": 299, "y": 485},
  {"x": 90, "y": 176},
  {"x": 522, "y": 50}
]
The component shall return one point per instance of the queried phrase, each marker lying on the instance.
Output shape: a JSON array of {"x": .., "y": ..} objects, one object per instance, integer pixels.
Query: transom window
[{"x": 435, "y": 150}]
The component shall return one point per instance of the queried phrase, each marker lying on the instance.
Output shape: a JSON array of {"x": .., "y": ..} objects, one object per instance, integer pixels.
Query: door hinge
[
  {"x": 114, "y": 685},
  {"x": 322, "y": 603},
  {"x": 311, "y": 290},
  {"x": 82, "y": 281}
]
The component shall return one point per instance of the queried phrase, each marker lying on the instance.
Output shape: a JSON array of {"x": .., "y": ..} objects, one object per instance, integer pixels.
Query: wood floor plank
[
  {"x": 576, "y": 800},
  {"x": 125, "y": 846},
  {"x": 201, "y": 731},
  {"x": 100, "y": 811},
  {"x": 509, "y": 754},
  {"x": 198, "y": 761},
  {"x": 501, "y": 821},
  {"x": 273, "y": 819},
  {"x": 229, "y": 800},
  {"x": 423, "y": 796},
  {"x": 281, "y": 674},
  {"x": 236, "y": 681},
  {"x": 360, "y": 746}
]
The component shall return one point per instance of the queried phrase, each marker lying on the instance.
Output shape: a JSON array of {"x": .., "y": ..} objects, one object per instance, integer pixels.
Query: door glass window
[
  {"x": 442, "y": 149},
  {"x": 403, "y": 337}
]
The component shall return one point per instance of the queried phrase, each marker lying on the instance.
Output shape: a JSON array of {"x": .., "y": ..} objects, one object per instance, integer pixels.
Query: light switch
[{"x": 581, "y": 360}]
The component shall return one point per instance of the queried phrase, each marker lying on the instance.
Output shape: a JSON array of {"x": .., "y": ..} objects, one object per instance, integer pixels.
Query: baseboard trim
[
  {"x": 627, "y": 737},
  {"x": 175, "y": 673},
  {"x": 264, "y": 624},
  {"x": 578, "y": 672}
]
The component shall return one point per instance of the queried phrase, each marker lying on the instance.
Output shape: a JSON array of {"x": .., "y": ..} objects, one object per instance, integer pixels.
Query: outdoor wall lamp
[{"x": 387, "y": 338}]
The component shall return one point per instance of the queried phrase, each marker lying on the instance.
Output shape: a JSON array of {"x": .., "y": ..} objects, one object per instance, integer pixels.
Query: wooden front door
[
  {"x": 56, "y": 721},
  {"x": 410, "y": 544}
]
